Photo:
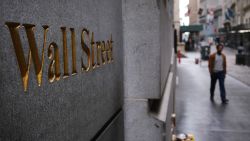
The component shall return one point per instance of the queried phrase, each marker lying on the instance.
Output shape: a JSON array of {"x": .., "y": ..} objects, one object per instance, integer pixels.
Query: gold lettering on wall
[
  {"x": 65, "y": 53},
  {"x": 73, "y": 47},
  {"x": 110, "y": 50},
  {"x": 85, "y": 49},
  {"x": 98, "y": 53},
  {"x": 103, "y": 54},
  {"x": 54, "y": 67},
  {"x": 23, "y": 66},
  {"x": 94, "y": 53}
]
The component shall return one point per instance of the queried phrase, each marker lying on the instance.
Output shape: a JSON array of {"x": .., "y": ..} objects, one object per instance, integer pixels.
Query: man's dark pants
[{"x": 221, "y": 76}]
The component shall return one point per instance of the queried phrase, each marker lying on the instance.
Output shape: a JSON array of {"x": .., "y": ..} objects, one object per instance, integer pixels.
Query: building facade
[
  {"x": 149, "y": 69},
  {"x": 211, "y": 17},
  {"x": 234, "y": 29},
  {"x": 193, "y": 12},
  {"x": 85, "y": 70},
  {"x": 177, "y": 18}
]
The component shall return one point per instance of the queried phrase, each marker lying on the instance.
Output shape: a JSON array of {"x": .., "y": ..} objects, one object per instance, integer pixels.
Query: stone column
[{"x": 148, "y": 43}]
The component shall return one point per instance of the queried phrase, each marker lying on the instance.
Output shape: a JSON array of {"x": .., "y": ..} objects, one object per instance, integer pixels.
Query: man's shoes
[
  {"x": 211, "y": 99},
  {"x": 225, "y": 101}
]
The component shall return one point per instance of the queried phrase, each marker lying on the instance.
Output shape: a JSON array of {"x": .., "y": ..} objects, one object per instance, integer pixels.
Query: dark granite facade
[{"x": 74, "y": 108}]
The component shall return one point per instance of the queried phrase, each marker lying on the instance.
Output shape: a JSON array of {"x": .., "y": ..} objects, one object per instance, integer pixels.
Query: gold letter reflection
[
  {"x": 93, "y": 51},
  {"x": 73, "y": 46},
  {"x": 65, "y": 53},
  {"x": 98, "y": 53},
  {"x": 103, "y": 54},
  {"x": 110, "y": 50},
  {"x": 33, "y": 51},
  {"x": 54, "y": 67},
  {"x": 86, "y": 50}
]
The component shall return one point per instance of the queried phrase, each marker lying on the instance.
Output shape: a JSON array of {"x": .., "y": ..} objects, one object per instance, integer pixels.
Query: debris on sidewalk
[{"x": 183, "y": 137}]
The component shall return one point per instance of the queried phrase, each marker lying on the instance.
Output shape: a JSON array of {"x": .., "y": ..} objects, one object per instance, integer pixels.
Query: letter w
[{"x": 33, "y": 51}]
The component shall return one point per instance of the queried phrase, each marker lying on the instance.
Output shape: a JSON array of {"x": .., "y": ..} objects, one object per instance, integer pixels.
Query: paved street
[
  {"x": 208, "y": 121},
  {"x": 239, "y": 72}
]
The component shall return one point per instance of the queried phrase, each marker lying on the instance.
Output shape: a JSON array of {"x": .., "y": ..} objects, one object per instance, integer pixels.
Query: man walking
[{"x": 218, "y": 68}]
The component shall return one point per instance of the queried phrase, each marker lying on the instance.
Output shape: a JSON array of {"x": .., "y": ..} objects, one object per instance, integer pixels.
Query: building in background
[
  {"x": 193, "y": 9},
  {"x": 210, "y": 12},
  {"x": 236, "y": 22},
  {"x": 246, "y": 11},
  {"x": 236, "y": 31},
  {"x": 177, "y": 18},
  {"x": 190, "y": 33}
]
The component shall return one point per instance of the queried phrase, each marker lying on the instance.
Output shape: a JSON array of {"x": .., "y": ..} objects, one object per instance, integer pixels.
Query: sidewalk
[
  {"x": 208, "y": 121},
  {"x": 239, "y": 72}
]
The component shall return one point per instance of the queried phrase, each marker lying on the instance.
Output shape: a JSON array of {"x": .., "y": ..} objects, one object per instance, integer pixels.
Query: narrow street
[{"x": 211, "y": 121}]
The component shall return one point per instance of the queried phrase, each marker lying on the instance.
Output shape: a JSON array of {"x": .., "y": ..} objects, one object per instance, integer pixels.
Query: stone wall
[
  {"x": 148, "y": 44},
  {"x": 85, "y": 106},
  {"x": 88, "y": 105}
]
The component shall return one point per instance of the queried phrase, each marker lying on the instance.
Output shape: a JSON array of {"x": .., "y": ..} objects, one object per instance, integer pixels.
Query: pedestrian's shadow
[
  {"x": 218, "y": 107},
  {"x": 220, "y": 113}
]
